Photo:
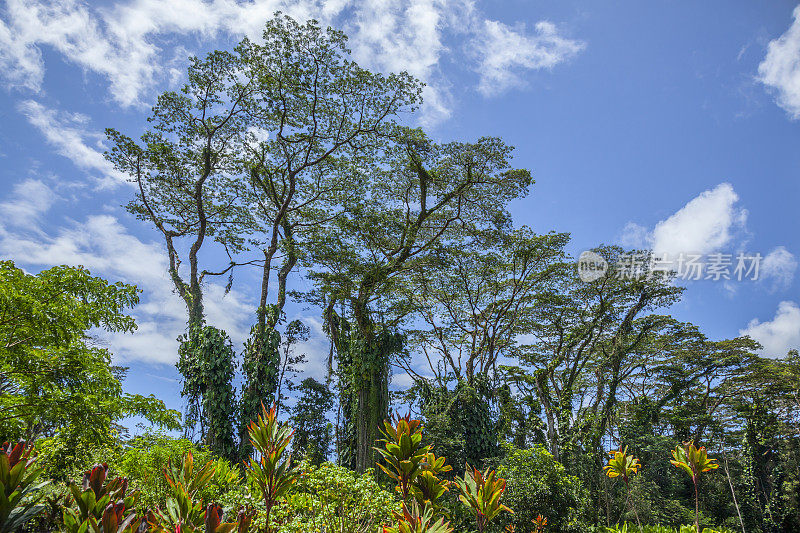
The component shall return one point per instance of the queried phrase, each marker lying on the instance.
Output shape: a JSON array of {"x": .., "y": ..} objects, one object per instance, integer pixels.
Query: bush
[
  {"x": 538, "y": 484},
  {"x": 333, "y": 498},
  {"x": 143, "y": 459}
]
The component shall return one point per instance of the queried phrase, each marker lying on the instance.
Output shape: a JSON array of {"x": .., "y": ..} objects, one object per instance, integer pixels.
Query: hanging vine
[{"x": 206, "y": 360}]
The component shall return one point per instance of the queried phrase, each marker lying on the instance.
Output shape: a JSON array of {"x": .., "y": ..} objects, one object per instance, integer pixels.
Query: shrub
[
  {"x": 144, "y": 458},
  {"x": 333, "y": 498},
  {"x": 538, "y": 484}
]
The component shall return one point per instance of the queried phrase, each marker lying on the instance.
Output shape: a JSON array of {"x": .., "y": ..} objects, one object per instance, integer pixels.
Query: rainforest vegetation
[{"x": 534, "y": 401}]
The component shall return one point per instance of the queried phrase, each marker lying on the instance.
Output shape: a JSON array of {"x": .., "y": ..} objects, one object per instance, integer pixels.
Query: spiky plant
[
  {"x": 624, "y": 466},
  {"x": 274, "y": 473},
  {"x": 402, "y": 452},
  {"x": 19, "y": 502},
  {"x": 694, "y": 461},
  {"x": 415, "y": 520},
  {"x": 481, "y": 493},
  {"x": 100, "y": 504}
]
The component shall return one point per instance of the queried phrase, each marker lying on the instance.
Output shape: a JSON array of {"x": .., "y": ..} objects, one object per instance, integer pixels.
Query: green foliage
[
  {"x": 624, "y": 466},
  {"x": 416, "y": 521},
  {"x": 273, "y": 473},
  {"x": 429, "y": 486},
  {"x": 656, "y": 529},
  {"x": 260, "y": 372},
  {"x": 538, "y": 484},
  {"x": 460, "y": 421},
  {"x": 363, "y": 371},
  {"x": 144, "y": 459},
  {"x": 207, "y": 362},
  {"x": 54, "y": 381},
  {"x": 313, "y": 432},
  {"x": 414, "y": 468},
  {"x": 481, "y": 493},
  {"x": 333, "y": 498},
  {"x": 403, "y": 452},
  {"x": 18, "y": 490}
]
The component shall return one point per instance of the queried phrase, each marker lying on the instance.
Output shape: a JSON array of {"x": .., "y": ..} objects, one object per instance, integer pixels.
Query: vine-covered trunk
[{"x": 260, "y": 369}]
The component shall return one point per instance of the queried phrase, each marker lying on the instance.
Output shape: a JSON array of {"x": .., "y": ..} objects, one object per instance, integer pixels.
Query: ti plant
[
  {"x": 540, "y": 522},
  {"x": 100, "y": 504},
  {"x": 416, "y": 521},
  {"x": 184, "y": 514},
  {"x": 624, "y": 466},
  {"x": 187, "y": 475},
  {"x": 694, "y": 462},
  {"x": 481, "y": 493},
  {"x": 274, "y": 473},
  {"x": 403, "y": 452},
  {"x": 18, "y": 499},
  {"x": 428, "y": 486}
]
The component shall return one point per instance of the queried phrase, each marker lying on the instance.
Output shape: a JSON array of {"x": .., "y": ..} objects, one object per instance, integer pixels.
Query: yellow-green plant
[
  {"x": 428, "y": 486},
  {"x": 274, "y": 473},
  {"x": 694, "y": 461},
  {"x": 18, "y": 501},
  {"x": 416, "y": 521},
  {"x": 403, "y": 452},
  {"x": 481, "y": 493},
  {"x": 625, "y": 466},
  {"x": 187, "y": 475}
]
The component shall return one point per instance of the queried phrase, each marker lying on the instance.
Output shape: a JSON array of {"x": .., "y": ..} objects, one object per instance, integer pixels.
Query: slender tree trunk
[
  {"x": 696, "y": 507},
  {"x": 733, "y": 492}
]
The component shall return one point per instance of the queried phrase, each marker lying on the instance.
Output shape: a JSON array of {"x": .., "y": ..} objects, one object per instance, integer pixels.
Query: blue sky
[{"x": 672, "y": 125}]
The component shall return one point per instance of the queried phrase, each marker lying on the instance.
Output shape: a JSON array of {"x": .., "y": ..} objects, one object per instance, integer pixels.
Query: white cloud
[
  {"x": 635, "y": 236},
  {"x": 779, "y": 266},
  {"x": 67, "y": 132},
  {"x": 780, "y": 334},
  {"x": 30, "y": 198},
  {"x": 131, "y": 44},
  {"x": 505, "y": 52},
  {"x": 316, "y": 348},
  {"x": 705, "y": 224},
  {"x": 780, "y": 69},
  {"x": 105, "y": 247}
]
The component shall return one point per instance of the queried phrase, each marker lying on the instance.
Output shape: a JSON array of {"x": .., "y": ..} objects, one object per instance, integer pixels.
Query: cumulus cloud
[
  {"x": 68, "y": 133},
  {"x": 779, "y": 335},
  {"x": 130, "y": 42},
  {"x": 705, "y": 224},
  {"x": 506, "y": 52},
  {"x": 105, "y": 247},
  {"x": 780, "y": 69}
]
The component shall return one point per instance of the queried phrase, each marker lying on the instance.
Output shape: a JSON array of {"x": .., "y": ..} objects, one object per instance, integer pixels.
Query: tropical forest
[{"x": 294, "y": 299}]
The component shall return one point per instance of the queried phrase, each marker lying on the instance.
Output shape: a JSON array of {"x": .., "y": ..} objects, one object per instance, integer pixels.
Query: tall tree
[
  {"x": 318, "y": 114},
  {"x": 478, "y": 299},
  {"x": 186, "y": 169},
  {"x": 584, "y": 333},
  {"x": 420, "y": 195},
  {"x": 253, "y": 151}
]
